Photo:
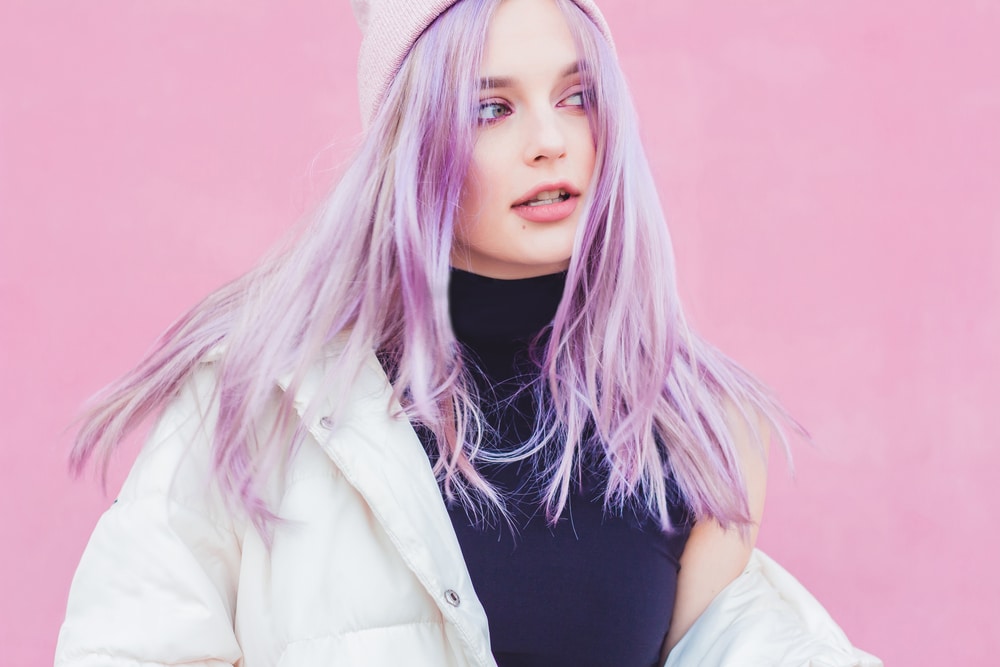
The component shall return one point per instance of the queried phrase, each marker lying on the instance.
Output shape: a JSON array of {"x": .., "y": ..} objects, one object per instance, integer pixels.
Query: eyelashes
[{"x": 491, "y": 111}]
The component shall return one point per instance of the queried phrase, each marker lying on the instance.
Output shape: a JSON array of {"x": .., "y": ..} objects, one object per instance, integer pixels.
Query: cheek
[
  {"x": 471, "y": 202},
  {"x": 587, "y": 150},
  {"x": 473, "y": 187},
  {"x": 481, "y": 188}
]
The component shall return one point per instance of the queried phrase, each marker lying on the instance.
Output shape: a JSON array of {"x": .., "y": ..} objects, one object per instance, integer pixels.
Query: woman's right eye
[{"x": 493, "y": 111}]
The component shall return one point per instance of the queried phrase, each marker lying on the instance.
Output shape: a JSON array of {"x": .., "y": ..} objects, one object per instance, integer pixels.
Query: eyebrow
[{"x": 487, "y": 83}]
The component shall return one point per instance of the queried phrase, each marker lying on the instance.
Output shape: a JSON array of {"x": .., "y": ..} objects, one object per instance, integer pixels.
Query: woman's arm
[
  {"x": 157, "y": 582},
  {"x": 714, "y": 557}
]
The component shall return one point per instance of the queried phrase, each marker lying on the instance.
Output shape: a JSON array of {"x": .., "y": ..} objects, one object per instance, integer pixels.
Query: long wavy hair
[{"x": 620, "y": 371}]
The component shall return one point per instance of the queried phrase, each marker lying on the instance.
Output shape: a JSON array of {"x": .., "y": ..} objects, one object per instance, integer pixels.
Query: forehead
[{"x": 528, "y": 36}]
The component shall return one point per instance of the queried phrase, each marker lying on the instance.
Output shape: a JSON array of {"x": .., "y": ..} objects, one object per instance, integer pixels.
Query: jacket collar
[{"x": 381, "y": 456}]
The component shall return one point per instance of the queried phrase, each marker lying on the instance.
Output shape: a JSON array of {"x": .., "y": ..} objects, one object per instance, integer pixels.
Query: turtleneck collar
[{"x": 490, "y": 309}]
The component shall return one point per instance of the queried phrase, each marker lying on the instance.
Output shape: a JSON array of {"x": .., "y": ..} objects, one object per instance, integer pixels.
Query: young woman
[{"x": 462, "y": 421}]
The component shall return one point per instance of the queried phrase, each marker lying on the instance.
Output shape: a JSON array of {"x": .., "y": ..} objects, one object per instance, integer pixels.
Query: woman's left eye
[
  {"x": 574, "y": 100},
  {"x": 491, "y": 111}
]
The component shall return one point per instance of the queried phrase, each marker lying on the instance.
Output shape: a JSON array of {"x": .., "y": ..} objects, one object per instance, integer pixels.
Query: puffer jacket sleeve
[
  {"x": 157, "y": 581},
  {"x": 766, "y": 618}
]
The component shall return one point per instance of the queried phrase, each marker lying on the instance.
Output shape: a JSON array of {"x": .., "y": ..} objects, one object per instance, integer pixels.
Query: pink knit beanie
[{"x": 390, "y": 27}]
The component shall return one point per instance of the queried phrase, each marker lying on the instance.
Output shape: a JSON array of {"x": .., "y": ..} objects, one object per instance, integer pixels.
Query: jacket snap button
[
  {"x": 326, "y": 423},
  {"x": 451, "y": 597}
]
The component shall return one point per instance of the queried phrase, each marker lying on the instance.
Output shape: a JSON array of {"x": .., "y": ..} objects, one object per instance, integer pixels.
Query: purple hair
[{"x": 623, "y": 371}]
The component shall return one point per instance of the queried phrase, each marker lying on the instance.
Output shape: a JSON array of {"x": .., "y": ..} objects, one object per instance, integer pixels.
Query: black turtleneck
[{"x": 595, "y": 589}]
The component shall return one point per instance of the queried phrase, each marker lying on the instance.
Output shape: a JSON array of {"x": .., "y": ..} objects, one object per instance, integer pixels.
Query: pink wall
[{"x": 830, "y": 170}]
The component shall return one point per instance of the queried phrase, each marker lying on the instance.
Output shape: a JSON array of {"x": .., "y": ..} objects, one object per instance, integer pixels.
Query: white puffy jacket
[{"x": 364, "y": 568}]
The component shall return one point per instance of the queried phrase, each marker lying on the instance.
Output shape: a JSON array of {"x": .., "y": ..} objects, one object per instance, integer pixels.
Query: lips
[
  {"x": 547, "y": 194},
  {"x": 548, "y": 197},
  {"x": 549, "y": 203}
]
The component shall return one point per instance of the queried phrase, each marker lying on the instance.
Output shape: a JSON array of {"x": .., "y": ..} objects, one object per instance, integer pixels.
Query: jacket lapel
[{"x": 382, "y": 457}]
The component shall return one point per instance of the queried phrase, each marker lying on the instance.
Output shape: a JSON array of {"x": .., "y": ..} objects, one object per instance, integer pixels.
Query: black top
[{"x": 595, "y": 589}]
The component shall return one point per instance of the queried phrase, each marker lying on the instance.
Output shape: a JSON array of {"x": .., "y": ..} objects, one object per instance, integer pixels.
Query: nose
[{"x": 545, "y": 138}]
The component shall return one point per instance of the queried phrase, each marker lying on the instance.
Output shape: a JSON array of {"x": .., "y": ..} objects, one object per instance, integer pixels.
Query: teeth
[{"x": 548, "y": 197}]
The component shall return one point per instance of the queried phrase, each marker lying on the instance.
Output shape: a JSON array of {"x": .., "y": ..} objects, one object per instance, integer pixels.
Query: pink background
[{"x": 830, "y": 170}]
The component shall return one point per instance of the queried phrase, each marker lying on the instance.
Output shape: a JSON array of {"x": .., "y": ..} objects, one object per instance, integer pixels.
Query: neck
[{"x": 487, "y": 309}]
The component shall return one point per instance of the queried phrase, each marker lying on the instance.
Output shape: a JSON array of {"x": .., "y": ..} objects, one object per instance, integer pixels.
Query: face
[{"x": 534, "y": 153}]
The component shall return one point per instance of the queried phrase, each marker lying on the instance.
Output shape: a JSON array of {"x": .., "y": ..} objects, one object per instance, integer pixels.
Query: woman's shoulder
[
  {"x": 176, "y": 461},
  {"x": 749, "y": 428},
  {"x": 181, "y": 455}
]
